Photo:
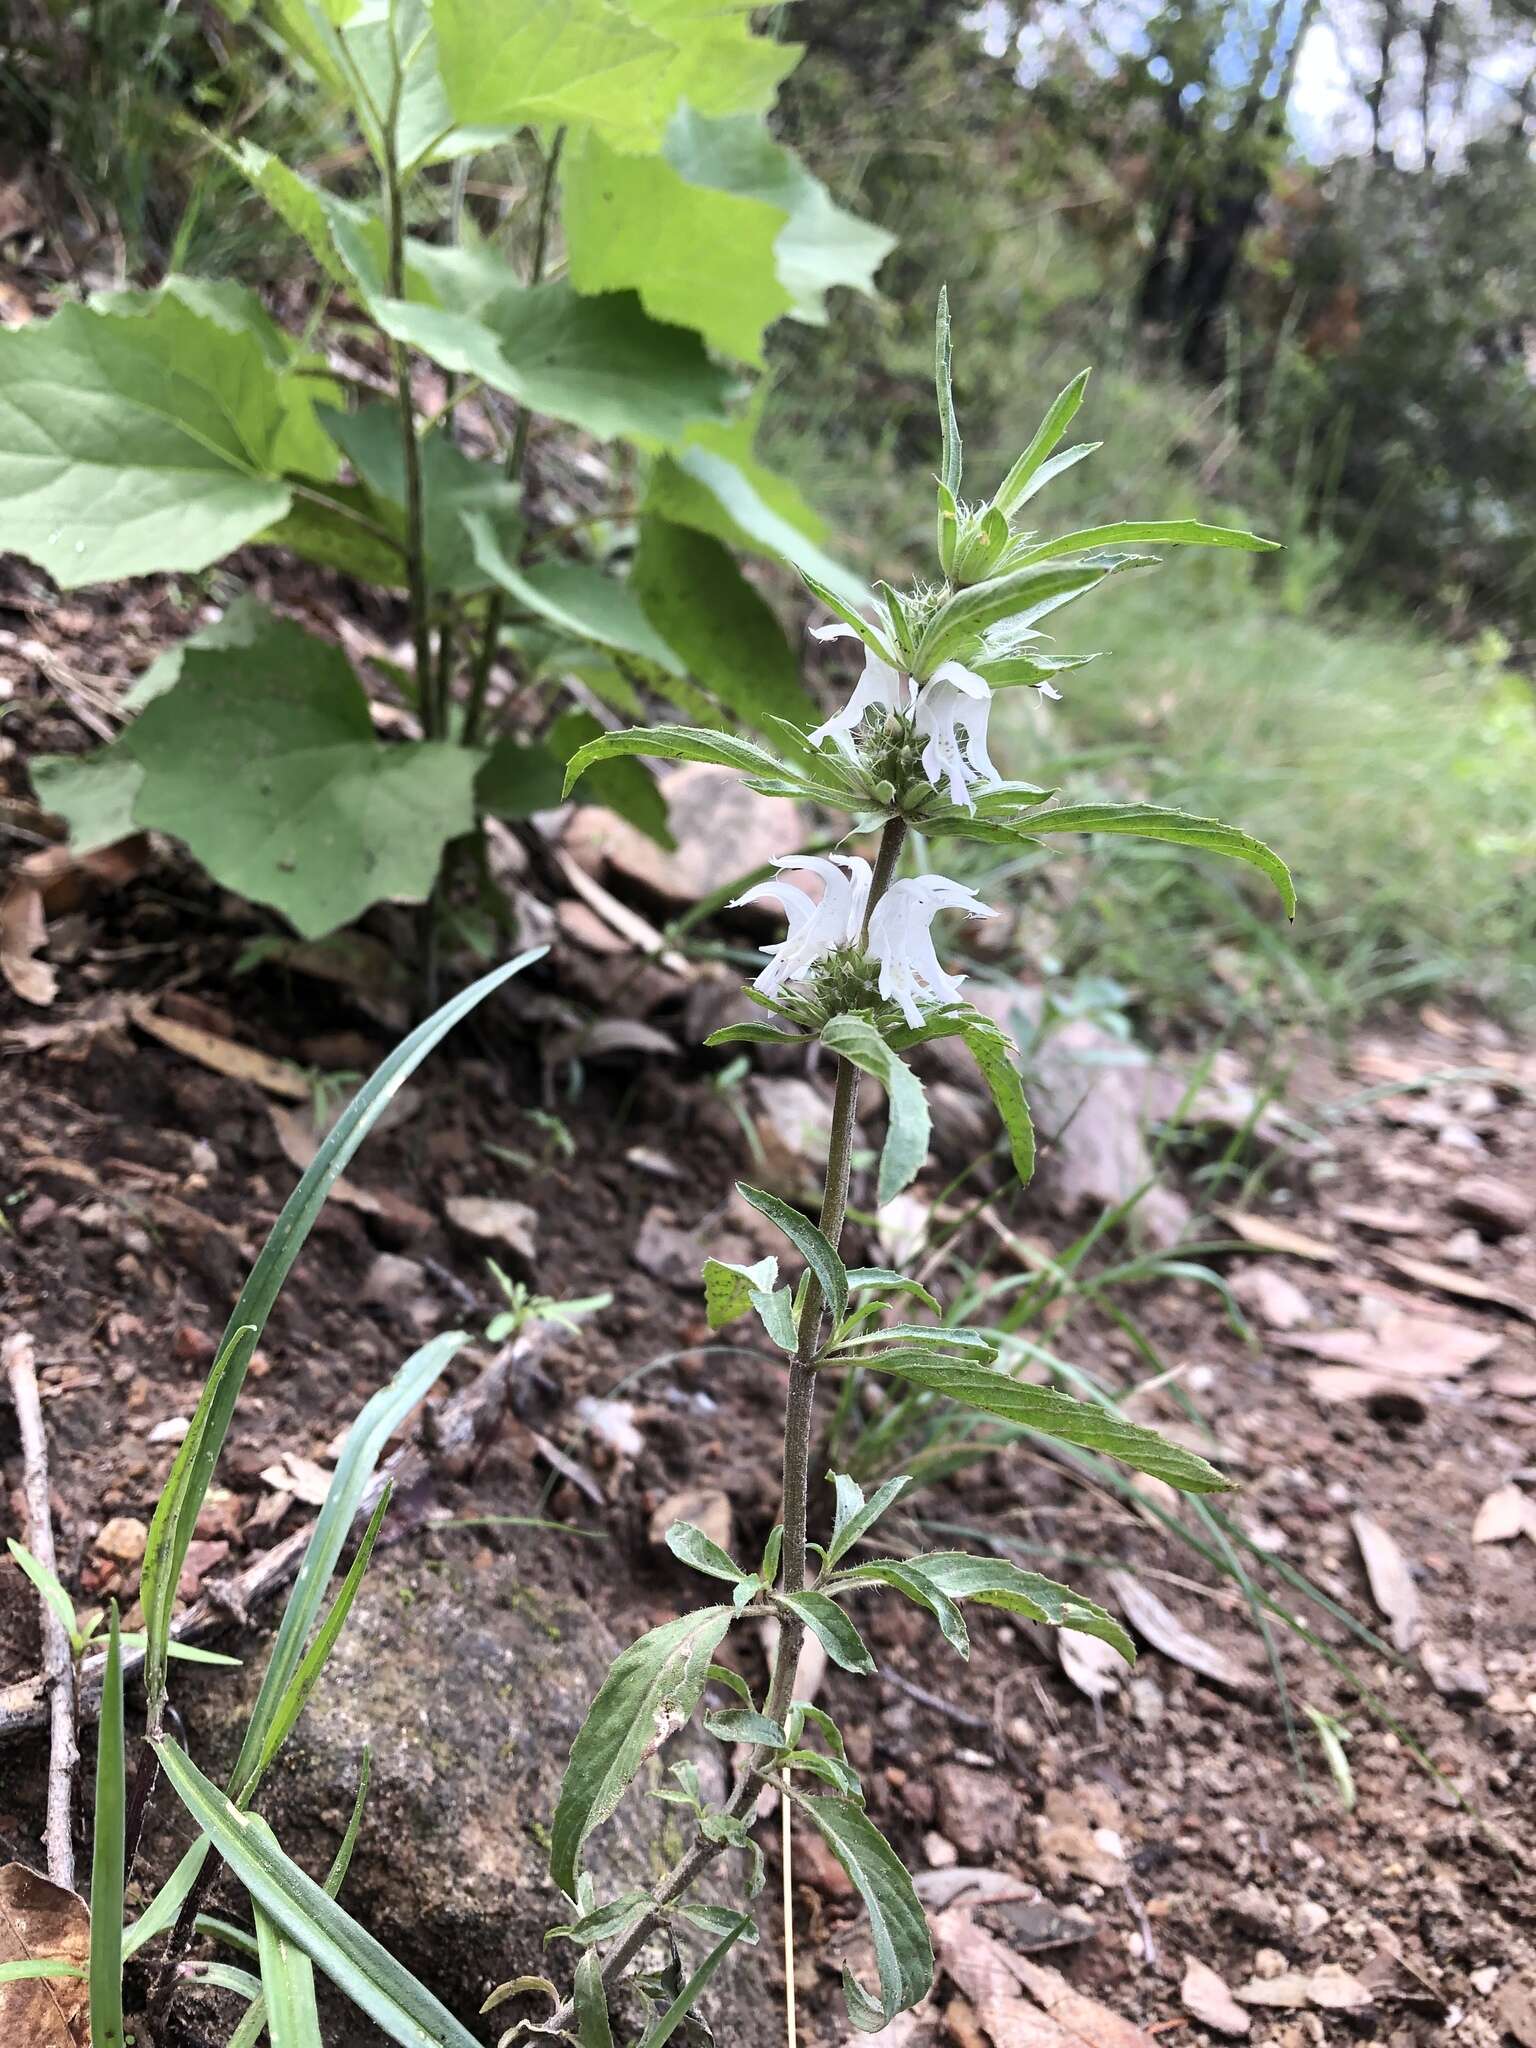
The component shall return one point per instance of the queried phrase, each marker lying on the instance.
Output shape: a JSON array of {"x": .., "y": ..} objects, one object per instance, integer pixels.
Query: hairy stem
[{"x": 799, "y": 1408}]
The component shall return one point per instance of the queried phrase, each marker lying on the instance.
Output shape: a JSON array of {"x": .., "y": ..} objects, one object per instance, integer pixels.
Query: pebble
[
  {"x": 940, "y": 1851},
  {"x": 122, "y": 1539}
]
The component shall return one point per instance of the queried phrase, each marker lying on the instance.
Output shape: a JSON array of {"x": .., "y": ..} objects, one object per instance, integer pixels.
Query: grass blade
[
  {"x": 688, "y": 1997},
  {"x": 287, "y": 1980},
  {"x": 361, "y": 1968},
  {"x": 106, "y": 1963}
]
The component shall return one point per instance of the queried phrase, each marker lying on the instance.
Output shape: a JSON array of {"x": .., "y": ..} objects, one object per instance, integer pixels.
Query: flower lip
[
  {"x": 951, "y": 715},
  {"x": 879, "y": 688},
  {"x": 817, "y": 926},
  {"x": 901, "y": 943}
]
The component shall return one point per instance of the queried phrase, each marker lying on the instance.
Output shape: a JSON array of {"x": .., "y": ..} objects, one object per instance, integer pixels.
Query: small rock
[
  {"x": 1455, "y": 1677},
  {"x": 1277, "y": 1302},
  {"x": 940, "y": 1852},
  {"x": 1333, "y": 1988},
  {"x": 706, "y": 1507},
  {"x": 1148, "y": 1703},
  {"x": 1496, "y": 1207},
  {"x": 666, "y": 1251},
  {"x": 710, "y": 813},
  {"x": 1462, "y": 1248},
  {"x": 613, "y": 1422},
  {"x": 979, "y": 1811},
  {"x": 172, "y": 1431},
  {"x": 512, "y": 1227},
  {"x": 1309, "y": 1918},
  {"x": 123, "y": 1539},
  {"x": 200, "y": 1560},
  {"x": 1205, "y": 1996},
  {"x": 194, "y": 1346},
  {"x": 1484, "y": 1980},
  {"x": 202, "y": 1158},
  {"x": 396, "y": 1282},
  {"x": 793, "y": 1120},
  {"x": 1269, "y": 1964}
]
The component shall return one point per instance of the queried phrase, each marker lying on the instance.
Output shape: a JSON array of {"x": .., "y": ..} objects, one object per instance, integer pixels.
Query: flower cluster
[
  {"x": 895, "y": 938},
  {"x": 949, "y": 713}
]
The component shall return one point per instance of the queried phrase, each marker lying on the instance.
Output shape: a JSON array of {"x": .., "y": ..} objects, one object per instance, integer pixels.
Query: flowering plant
[{"x": 858, "y": 971}]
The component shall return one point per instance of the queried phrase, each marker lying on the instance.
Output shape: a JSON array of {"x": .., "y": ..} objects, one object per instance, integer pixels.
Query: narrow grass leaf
[
  {"x": 221, "y": 1977},
  {"x": 287, "y": 1979},
  {"x": 47, "y": 1585},
  {"x": 664, "y": 2028},
  {"x": 107, "y": 1852}
]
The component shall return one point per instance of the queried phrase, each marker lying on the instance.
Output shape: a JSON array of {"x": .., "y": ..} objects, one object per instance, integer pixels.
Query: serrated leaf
[
  {"x": 807, "y": 1240},
  {"x": 1022, "y": 482},
  {"x": 1056, "y": 1415},
  {"x": 909, "y": 1126},
  {"x": 702, "y": 606},
  {"x": 360, "y": 1967},
  {"x": 724, "y": 230},
  {"x": 944, "y": 385},
  {"x": 694, "y": 1548},
  {"x": 1178, "y": 828},
  {"x": 994, "y": 1582},
  {"x": 265, "y": 763},
  {"x": 652, "y": 1689},
  {"x": 137, "y": 440},
  {"x": 673, "y": 743},
  {"x": 932, "y": 1598},
  {"x": 855, "y": 1515},
  {"x": 831, "y": 1628},
  {"x": 728, "y": 1289},
  {"x": 898, "y": 1930},
  {"x": 1160, "y": 532}
]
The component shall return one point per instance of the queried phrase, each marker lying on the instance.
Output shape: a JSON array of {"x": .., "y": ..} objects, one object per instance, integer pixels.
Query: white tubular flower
[
  {"x": 815, "y": 928},
  {"x": 902, "y": 944},
  {"x": 881, "y": 687},
  {"x": 952, "y": 710}
]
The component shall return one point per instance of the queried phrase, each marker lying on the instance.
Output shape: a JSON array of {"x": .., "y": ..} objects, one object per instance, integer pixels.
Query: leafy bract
[
  {"x": 651, "y": 1690},
  {"x": 855, "y": 1515},
  {"x": 724, "y": 230},
  {"x": 361, "y": 1968},
  {"x": 676, "y": 743},
  {"x": 807, "y": 1240},
  {"x": 1052, "y": 1414},
  {"x": 855, "y": 1039},
  {"x": 729, "y": 1290},
  {"x": 1022, "y": 481},
  {"x": 140, "y": 438},
  {"x": 264, "y": 761},
  {"x": 898, "y": 1930},
  {"x": 1179, "y": 828},
  {"x": 1161, "y": 532}
]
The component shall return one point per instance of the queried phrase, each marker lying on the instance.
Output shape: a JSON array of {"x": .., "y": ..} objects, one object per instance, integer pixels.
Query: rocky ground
[{"x": 1107, "y": 1858}]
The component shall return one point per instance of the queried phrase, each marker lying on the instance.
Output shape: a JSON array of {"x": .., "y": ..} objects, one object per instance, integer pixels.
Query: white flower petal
[
  {"x": 878, "y": 688},
  {"x": 902, "y": 944}
]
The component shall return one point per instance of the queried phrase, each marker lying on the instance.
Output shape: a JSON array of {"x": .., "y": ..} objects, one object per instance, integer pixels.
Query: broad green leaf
[
  {"x": 287, "y": 1977},
  {"x": 360, "y": 1967},
  {"x": 993, "y": 1582},
  {"x": 662, "y": 2029},
  {"x": 602, "y": 363},
  {"x": 47, "y": 1582},
  {"x": 724, "y": 230},
  {"x": 267, "y": 766},
  {"x": 107, "y": 1855},
  {"x": 673, "y": 743},
  {"x": 1053, "y": 1414},
  {"x": 134, "y": 442},
  {"x": 652, "y": 1689},
  {"x": 746, "y": 1726},
  {"x": 831, "y": 1628},
  {"x": 329, "y": 531},
  {"x": 455, "y": 490},
  {"x": 944, "y": 386},
  {"x": 694, "y": 1548},
  {"x": 807, "y": 1240},
  {"x": 728, "y": 1289},
  {"x": 726, "y": 635},
  {"x": 1015, "y": 489},
  {"x": 519, "y": 777},
  {"x": 898, "y": 1930},
  {"x": 893, "y": 1572},
  {"x": 855, "y": 1515},
  {"x": 776, "y": 1313},
  {"x": 1161, "y": 532},
  {"x": 855, "y": 1039},
  {"x": 1152, "y": 821},
  {"x": 92, "y": 793},
  {"x": 580, "y": 600}
]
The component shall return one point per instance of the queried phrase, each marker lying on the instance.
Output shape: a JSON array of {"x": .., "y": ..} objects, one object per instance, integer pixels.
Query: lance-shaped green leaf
[
  {"x": 831, "y": 1770},
  {"x": 455, "y": 489},
  {"x": 994, "y": 1582},
  {"x": 851, "y": 611},
  {"x": 756, "y": 1034},
  {"x": 651, "y": 1690},
  {"x": 729, "y": 1290},
  {"x": 287, "y": 1980},
  {"x": 666, "y": 2026},
  {"x": 1021, "y": 596},
  {"x": 693, "y": 1547},
  {"x": 831, "y": 1628},
  {"x": 1023, "y": 480},
  {"x": 107, "y": 1856},
  {"x": 603, "y": 1922},
  {"x": 136, "y": 440},
  {"x": 908, "y": 1125},
  {"x": 47, "y": 1585},
  {"x": 675, "y": 743},
  {"x": 855, "y": 1516},
  {"x": 591, "y": 2001},
  {"x": 744, "y": 1725},
  {"x": 628, "y": 788},
  {"x": 886, "y": 1279},
  {"x": 818, "y": 1254},
  {"x": 993, "y": 1051},
  {"x": 944, "y": 387},
  {"x": 1178, "y": 828},
  {"x": 716, "y": 1920},
  {"x": 898, "y": 1930},
  {"x": 1161, "y": 532},
  {"x": 361, "y": 1968},
  {"x": 1053, "y": 1414},
  {"x": 922, "y": 1591}
]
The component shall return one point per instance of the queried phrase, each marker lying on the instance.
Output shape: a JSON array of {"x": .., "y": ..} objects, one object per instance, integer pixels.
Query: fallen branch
[
  {"x": 57, "y": 1682},
  {"x": 463, "y": 1419}
]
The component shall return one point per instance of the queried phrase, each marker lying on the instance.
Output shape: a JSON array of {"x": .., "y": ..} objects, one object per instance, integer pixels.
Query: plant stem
[
  {"x": 480, "y": 677},
  {"x": 799, "y": 1408}
]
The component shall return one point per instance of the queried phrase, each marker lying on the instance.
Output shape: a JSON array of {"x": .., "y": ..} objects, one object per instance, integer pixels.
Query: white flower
[
  {"x": 900, "y": 941},
  {"x": 951, "y": 714},
  {"x": 815, "y": 928},
  {"x": 880, "y": 687}
]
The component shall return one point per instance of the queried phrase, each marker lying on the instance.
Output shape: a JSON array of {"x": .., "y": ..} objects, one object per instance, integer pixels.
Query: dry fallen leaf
[
  {"x": 1349, "y": 1383},
  {"x": 1504, "y": 1515},
  {"x": 1330, "y": 1987},
  {"x": 1165, "y": 1632},
  {"x": 1093, "y": 1667},
  {"x": 1277, "y": 1302},
  {"x": 1391, "y": 1581},
  {"x": 1023, "y": 2004},
  {"x": 1384, "y": 1221},
  {"x": 1403, "y": 1346},
  {"x": 41, "y": 1920},
  {"x": 1448, "y": 1281},
  {"x": 301, "y": 1477},
  {"x": 23, "y": 935},
  {"x": 1205, "y": 1996},
  {"x": 223, "y": 1055},
  {"x": 296, "y": 1135},
  {"x": 1271, "y": 1236}
]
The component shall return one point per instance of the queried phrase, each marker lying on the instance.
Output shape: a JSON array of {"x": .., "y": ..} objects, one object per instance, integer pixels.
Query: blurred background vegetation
[{"x": 1294, "y": 239}]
